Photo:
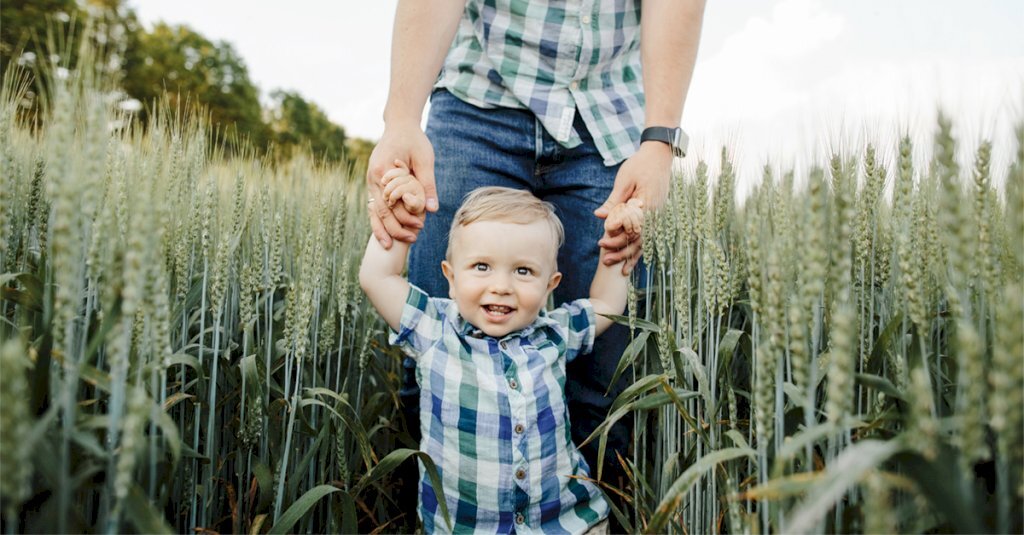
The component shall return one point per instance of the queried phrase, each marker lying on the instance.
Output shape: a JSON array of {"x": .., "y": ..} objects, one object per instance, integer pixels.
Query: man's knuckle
[{"x": 393, "y": 228}]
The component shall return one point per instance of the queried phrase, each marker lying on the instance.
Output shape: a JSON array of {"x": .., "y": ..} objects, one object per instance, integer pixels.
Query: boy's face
[{"x": 500, "y": 274}]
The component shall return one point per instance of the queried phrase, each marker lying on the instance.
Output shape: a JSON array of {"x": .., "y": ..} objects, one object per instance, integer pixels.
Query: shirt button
[
  {"x": 520, "y": 474},
  {"x": 574, "y": 85},
  {"x": 519, "y": 429},
  {"x": 504, "y": 344},
  {"x": 520, "y": 518},
  {"x": 586, "y": 19},
  {"x": 513, "y": 384}
]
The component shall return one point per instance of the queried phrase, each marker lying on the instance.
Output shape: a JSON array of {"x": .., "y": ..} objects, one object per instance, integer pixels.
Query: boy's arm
[
  {"x": 608, "y": 292},
  {"x": 380, "y": 276}
]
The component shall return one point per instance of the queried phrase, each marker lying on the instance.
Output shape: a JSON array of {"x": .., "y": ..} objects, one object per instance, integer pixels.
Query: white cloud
[
  {"x": 796, "y": 28},
  {"x": 755, "y": 74},
  {"x": 793, "y": 87}
]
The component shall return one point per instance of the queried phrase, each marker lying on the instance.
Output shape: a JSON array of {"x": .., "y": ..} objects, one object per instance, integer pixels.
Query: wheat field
[{"x": 183, "y": 346}]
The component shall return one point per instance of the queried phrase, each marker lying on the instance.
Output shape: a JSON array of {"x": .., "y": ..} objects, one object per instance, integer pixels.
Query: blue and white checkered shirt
[
  {"x": 494, "y": 418},
  {"x": 555, "y": 57}
]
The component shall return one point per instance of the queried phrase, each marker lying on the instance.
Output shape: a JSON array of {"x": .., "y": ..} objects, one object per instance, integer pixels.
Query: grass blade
[
  {"x": 842, "y": 473},
  {"x": 675, "y": 494},
  {"x": 299, "y": 508},
  {"x": 390, "y": 462}
]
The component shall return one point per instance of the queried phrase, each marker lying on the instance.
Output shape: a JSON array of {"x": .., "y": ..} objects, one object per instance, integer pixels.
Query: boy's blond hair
[{"x": 507, "y": 205}]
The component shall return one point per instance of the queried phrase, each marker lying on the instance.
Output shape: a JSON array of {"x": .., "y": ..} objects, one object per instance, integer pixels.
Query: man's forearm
[
  {"x": 669, "y": 37},
  {"x": 422, "y": 34}
]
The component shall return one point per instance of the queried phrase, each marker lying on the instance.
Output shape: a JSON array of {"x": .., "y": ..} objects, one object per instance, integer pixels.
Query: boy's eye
[
  {"x": 480, "y": 266},
  {"x": 524, "y": 271}
]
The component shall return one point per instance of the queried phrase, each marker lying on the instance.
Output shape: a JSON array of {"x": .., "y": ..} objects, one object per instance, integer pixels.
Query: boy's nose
[
  {"x": 500, "y": 285},
  {"x": 501, "y": 289}
]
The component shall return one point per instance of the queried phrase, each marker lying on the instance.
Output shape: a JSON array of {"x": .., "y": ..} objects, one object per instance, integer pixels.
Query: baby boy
[{"x": 491, "y": 361}]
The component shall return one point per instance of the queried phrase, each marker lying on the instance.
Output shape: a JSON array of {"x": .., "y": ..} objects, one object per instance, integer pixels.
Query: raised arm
[
  {"x": 380, "y": 276},
  {"x": 608, "y": 293},
  {"x": 423, "y": 32}
]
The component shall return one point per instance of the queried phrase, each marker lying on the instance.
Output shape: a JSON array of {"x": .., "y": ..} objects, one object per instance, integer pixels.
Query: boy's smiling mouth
[{"x": 498, "y": 310}]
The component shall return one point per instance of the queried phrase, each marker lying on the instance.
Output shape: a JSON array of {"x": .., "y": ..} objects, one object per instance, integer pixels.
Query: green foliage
[
  {"x": 26, "y": 24},
  {"x": 299, "y": 124},
  {"x": 358, "y": 151},
  {"x": 192, "y": 70},
  {"x": 183, "y": 346},
  {"x": 852, "y": 359},
  {"x": 152, "y": 407},
  {"x": 173, "y": 67}
]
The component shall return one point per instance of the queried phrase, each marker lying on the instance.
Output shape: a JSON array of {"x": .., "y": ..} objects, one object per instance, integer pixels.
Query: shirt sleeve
[
  {"x": 420, "y": 325},
  {"x": 576, "y": 321}
]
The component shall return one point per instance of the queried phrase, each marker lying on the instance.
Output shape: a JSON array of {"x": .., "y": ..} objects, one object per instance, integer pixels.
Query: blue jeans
[{"x": 476, "y": 147}]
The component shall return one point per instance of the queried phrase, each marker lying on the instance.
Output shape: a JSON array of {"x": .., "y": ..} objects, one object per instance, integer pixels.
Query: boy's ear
[
  {"x": 449, "y": 273},
  {"x": 554, "y": 280}
]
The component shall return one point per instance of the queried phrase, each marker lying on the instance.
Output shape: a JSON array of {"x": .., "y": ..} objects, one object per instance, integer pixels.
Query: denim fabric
[{"x": 477, "y": 147}]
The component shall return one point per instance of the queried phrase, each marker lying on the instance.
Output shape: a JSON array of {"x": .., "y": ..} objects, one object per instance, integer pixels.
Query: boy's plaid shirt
[
  {"x": 494, "y": 419},
  {"x": 555, "y": 58}
]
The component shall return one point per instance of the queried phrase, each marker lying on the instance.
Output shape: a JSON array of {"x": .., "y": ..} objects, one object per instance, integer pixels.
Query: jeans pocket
[{"x": 438, "y": 93}]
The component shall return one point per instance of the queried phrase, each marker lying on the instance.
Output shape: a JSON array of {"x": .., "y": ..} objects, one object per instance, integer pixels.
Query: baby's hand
[
  {"x": 625, "y": 218},
  {"x": 622, "y": 230},
  {"x": 399, "y": 185}
]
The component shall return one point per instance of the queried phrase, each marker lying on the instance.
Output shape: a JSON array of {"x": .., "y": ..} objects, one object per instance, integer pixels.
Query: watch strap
[{"x": 673, "y": 137}]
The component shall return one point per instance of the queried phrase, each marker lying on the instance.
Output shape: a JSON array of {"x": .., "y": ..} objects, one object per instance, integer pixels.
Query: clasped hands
[{"x": 401, "y": 193}]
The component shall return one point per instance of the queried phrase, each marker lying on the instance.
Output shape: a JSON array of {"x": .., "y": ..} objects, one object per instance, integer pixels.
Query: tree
[
  {"x": 177, "y": 64},
  {"x": 193, "y": 70},
  {"x": 28, "y": 27},
  {"x": 25, "y": 25},
  {"x": 357, "y": 151},
  {"x": 298, "y": 123}
]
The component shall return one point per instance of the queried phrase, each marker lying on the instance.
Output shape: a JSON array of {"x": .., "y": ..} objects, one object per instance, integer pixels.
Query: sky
[{"x": 782, "y": 82}]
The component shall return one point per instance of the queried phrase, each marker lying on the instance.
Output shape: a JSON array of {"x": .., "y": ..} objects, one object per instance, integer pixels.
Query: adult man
[{"x": 551, "y": 96}]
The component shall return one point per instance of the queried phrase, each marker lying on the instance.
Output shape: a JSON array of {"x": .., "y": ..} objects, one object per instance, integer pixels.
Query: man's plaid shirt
[
  {"x": 555, "y": 58},
  {"x": 494, "y": 419}
]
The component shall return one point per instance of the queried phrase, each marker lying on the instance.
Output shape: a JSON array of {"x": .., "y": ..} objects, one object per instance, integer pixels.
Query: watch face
[{"x": 680, "y": 142}]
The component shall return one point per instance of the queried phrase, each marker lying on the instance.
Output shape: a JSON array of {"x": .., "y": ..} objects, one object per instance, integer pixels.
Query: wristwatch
[{"x": 673, "y": 137}]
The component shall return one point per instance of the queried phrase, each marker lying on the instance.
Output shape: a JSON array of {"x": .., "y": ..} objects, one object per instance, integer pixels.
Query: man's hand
[
  {"x": 645, "y": 176},
  {"x": 407, "y": 147}
]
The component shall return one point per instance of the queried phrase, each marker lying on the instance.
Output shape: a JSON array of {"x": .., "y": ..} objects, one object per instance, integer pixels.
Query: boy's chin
[
  {"x": 496, "y": 331},
  {"x": 500, "y": 330}
]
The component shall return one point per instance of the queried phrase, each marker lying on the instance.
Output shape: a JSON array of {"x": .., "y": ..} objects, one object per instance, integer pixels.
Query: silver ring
[{"x": 370, "y": 201}]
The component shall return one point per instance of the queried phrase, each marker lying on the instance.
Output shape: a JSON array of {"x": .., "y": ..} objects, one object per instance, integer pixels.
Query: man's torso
[{"x": 555, "y": 58}]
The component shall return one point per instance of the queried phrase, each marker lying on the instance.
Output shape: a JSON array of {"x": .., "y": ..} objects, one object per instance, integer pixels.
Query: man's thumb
[
  {"x": 618, "y": 195},
  {"x": 426, "y": 178}
]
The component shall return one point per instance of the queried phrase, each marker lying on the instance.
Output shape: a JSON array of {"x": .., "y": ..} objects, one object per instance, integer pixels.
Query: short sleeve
[
  {"x": 420, "y": 326},
  {"x": 576, "y": 321}
]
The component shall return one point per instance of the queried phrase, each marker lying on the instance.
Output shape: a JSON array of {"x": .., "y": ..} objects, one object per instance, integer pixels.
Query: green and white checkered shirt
[
  {"x": 555, "y": 58},
  {"x": 494, "y": 418}
]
